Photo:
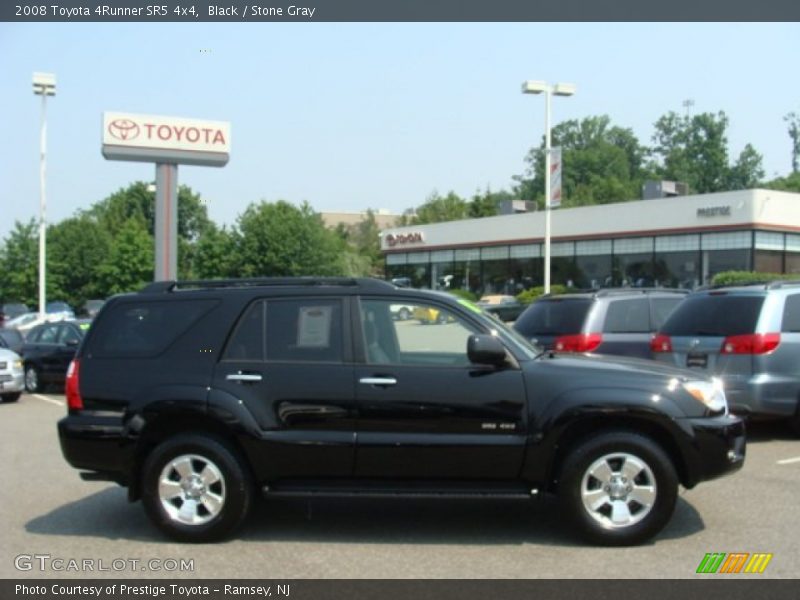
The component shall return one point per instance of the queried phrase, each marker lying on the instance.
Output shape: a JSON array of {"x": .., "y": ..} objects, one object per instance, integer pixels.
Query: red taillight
[
  {"x": 661, "y": 343},
  {"x": 74, "y": 400},
  {"x": 754, "y": 343},
  {"x": 583, "y": 342}
]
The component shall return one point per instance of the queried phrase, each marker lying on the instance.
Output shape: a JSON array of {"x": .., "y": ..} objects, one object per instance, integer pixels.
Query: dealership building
[{"x": 676, "y": 241}]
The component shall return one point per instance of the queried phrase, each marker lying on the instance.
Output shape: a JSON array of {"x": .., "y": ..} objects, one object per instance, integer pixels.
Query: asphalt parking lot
[{"x": 46, "y": 509}]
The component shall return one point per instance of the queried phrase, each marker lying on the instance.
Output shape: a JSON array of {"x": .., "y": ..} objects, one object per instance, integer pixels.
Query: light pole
[
  {"x": 559, "y": 89},
  {"x": 44, "y": 85}
]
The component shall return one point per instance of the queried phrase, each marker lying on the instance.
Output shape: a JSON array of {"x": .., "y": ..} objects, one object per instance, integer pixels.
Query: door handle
[
  {"x": 378, "y": 381},
  {"x": 249, "y": 377}
]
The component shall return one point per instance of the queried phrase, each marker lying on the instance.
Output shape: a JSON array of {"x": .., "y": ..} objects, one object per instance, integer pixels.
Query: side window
[
  {"x": 628, "y": 316},
  {"x": 662, "y": 307},
  {"x": 432, "y": 335},
  {"x": 68, "y": 334},
  {"x": 308, "y": 330},
  {"x": 791, "y": 314},
  {"x": 247, "y": 342},
  {"x": 144, "y": 329},
  {"x": 48, "y": 335}
]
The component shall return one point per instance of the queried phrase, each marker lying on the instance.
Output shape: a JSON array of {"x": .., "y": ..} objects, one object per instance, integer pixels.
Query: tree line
[{"x": 108, "y": 248}]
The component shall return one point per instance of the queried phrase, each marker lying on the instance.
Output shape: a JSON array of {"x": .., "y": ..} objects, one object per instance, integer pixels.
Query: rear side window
[
  {"x": 715, "y": 315},
  {"x": 554, "y": 317},
  {"x": 628, "y": 316},
  {"x": 791, "y": 315},
  {"x": 144, "y": 329},
  {"x": 247, "y": 342},
  {"x": 306, "y": 330}
]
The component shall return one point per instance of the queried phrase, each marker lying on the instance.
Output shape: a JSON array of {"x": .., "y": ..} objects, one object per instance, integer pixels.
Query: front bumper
[
  {"x": 97, "y": 444},
  {"x": 12, "y": 382},
  {"x": 717, "y": 447}
]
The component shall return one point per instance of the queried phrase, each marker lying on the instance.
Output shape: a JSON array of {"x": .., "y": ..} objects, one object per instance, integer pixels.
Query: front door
[{"x": 425, "y": 412}]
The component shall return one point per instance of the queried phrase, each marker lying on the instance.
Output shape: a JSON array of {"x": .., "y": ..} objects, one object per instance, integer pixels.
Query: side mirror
[
  {"x": 486, "y": 350},
  {"x": 71, "y": 343}
]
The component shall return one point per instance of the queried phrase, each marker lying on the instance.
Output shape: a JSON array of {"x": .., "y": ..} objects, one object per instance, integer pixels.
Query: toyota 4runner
[{"x": 199, "y": 395}]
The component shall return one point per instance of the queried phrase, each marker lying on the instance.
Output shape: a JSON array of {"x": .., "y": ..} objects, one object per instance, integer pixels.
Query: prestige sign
[{"x": 173, "y": 140}]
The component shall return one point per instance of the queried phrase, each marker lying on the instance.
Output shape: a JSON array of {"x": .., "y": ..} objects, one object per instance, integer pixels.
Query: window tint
[
  {"x": 68, "y": 334},
  {"x": 47, "y": 335},
  {"x": 716, "y": 314},
  {"x": 11, "y": 336},
  {"x": 791, "y": 314},
  {"x": 247, "y": 342},
  {"x": 433, "y": 335},
  {"x": 145, "y": 329},
  {"x": 662, "y": 309},
  {"x": 628, "y": 316},
  {"x": 556, "y": 316},
  {"x": 304, "y": 330}
]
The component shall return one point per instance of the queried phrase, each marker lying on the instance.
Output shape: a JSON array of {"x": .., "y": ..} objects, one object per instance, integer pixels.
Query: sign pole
[{"x": 166, "y": 222}]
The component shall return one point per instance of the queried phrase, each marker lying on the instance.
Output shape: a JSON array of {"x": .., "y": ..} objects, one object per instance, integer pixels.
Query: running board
[{"x": 303, "y": 490}]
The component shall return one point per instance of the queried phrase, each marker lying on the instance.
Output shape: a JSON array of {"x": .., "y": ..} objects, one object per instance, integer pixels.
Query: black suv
[
  {"x": 609, "y": 321},
  {"x": 197, "y": 395}
]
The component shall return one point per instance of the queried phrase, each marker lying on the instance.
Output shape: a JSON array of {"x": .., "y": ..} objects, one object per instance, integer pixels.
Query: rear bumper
[
  {"x": 718, "y": 448},
  {"x": 97, "y": 444}
]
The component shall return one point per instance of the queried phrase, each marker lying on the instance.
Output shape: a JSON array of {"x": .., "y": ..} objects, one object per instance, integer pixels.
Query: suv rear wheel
[
  {"x": 195, "y": 488},
  {"x": 619, "y": 488}
]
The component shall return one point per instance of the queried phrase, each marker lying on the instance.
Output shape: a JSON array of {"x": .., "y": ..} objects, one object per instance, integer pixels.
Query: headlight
[
  {"x": 709, "y": 393},
  {"x": 17, "y": 365}
]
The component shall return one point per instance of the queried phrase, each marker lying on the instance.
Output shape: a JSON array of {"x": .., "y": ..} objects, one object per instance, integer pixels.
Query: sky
[{"x": 371, "y": 115}]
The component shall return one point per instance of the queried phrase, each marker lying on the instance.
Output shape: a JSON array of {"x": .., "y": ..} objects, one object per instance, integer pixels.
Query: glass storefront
[{"x": 681, "y": 261}]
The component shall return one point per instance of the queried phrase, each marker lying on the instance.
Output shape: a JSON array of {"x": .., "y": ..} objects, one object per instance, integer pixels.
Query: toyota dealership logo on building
[
  {"x": 415, "y": 237},
  {"x": 123, "y": 129}
]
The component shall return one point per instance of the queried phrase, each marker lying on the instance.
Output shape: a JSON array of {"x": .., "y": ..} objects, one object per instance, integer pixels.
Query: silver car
[
  {"x": 11, "y": 376},
  {"x": 748, "y": 337}
]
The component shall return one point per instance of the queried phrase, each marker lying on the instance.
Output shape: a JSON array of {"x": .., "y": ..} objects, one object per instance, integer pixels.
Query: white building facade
[{"x": 671, "y": 242}]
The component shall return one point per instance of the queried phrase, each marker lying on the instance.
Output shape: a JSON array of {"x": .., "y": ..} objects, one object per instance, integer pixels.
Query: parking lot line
[
  {"x": 46, "y": 399},
  {"x": 788, "y": 461}
]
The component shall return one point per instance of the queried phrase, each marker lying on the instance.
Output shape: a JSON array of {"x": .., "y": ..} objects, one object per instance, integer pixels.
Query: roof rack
[
  {"x": 160, "y": 287},
  {"x": 766, "y": 284},
  {"x": 644, "y": 290}
]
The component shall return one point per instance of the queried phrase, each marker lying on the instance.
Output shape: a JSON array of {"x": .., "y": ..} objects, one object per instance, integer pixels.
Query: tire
[
  {"x": 33, "y": 382},
  {"x": 404, "y": 314},
  {"x": 441, "y": 319},
  {"x": 599, "y": 485},
  {"x": 184, "y": 503},
  {"x": 794, "y": 422},
  {"x": 11, "y": 397}
]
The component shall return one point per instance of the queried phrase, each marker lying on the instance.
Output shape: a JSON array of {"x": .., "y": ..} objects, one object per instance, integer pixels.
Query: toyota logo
[
  {"x": 123, "y": 129},
  {"x": 391, "y": 240}
]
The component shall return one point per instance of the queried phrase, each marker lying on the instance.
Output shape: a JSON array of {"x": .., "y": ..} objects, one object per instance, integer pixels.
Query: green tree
[
  {"x": 280, "y": 239},
  {"x": 790, "y": 183},
  {"x": 437, "y": 209},
  {"x": 602, "y": 163},
  {"x": 216, "y": 254},
  {"x": 694, "y": 150},
  {"x": 19, "y": 265},
  {"x": 487, "y": 204},
  {"x": 76, "y": 247},
  {"x": 129, "y": 264}
]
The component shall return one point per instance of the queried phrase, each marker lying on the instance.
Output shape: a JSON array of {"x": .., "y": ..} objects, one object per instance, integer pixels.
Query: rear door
[
  {"x": 626, "y": 329},
  {"x": 426, "y": 412},
  {"x": 289, "y": 361},
  {"x": 549, "y": 318}
]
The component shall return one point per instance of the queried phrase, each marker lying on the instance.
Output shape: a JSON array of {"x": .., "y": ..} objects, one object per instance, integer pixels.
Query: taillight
[
  {"x": 74, "y": 400},
  {"x": 661, "y": 343},
  {"x": 583, "y": 342},
  {"x": 753, "y": 343}
]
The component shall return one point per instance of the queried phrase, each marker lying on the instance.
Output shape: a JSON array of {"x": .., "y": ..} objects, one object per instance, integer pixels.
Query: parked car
[
  {"x": 26, "y": 322},
  {"x": 59, "y": 311},
  {"x": 507, "y": 308},
  {"x": 11, "y": 382},
  {"x": 11, "y": 339},
  {"x": 48, "y": 350},
  {"x": 609, "y": 321},
  {"x": 92, "y": 307},
  {"x": 749, "y": 337},
  {"x": 11, "y": 310},
  {"x": 198, "y": 395},
  {"x": 401, "y": 312},
  {"x": 428, "y": 315}
]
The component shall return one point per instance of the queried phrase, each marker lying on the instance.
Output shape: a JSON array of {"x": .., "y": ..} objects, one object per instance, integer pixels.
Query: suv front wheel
[
  {"x": 619, "y": 488},
  {"x": 195, "y": 488}
]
